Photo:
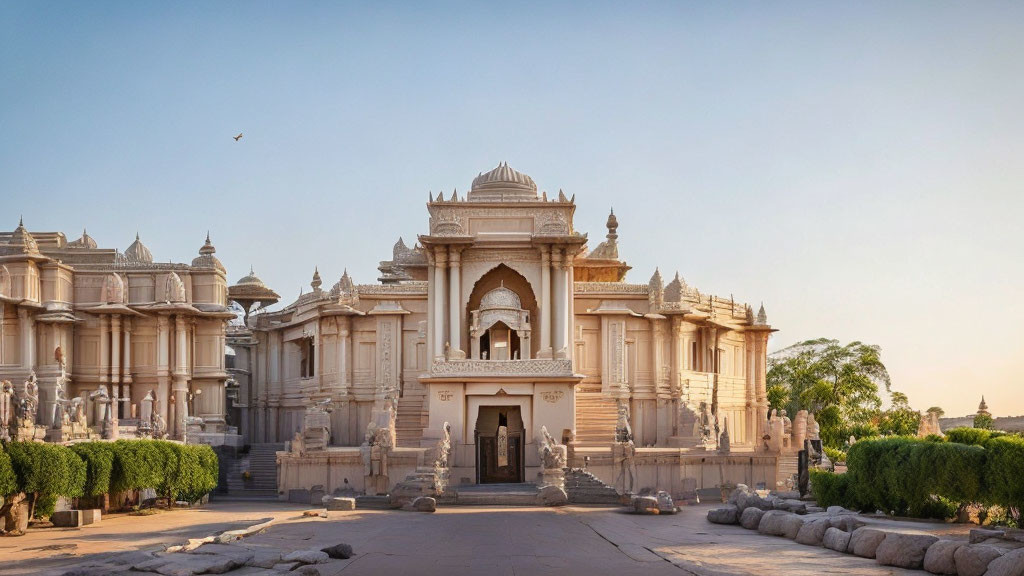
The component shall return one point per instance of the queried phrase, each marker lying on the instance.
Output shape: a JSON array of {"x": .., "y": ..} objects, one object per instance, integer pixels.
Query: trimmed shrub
[
  {"x": 834, "y": 455},
  {"x": 8, "y": 481},
  {"x": 138, "y": 464},
  {"x": 974, "y": 436},
  {"x": 99, "y": 463},
  {"x": 831, "y": 489},
  {"x": 45, "y": 472},
  {"x": 1004, "y": 471}
]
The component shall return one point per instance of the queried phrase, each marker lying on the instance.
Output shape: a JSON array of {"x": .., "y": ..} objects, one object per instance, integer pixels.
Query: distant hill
[{"x": 1006, "y": 423}]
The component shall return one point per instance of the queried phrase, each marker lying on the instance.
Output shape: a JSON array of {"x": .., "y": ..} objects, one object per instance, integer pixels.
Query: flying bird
[{"x": 237, "y": 138}]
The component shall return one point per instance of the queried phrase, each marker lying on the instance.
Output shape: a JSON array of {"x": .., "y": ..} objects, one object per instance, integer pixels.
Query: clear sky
[{"x": 857, "y": 166}]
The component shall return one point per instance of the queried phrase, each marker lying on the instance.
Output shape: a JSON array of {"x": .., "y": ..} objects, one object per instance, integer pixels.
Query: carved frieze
[{"x": 541, "y": 367}]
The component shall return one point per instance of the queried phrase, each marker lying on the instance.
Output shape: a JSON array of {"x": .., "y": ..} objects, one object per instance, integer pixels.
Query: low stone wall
[
  {"x": 331, "y": 469},
  {"x": 679, "y": 471}
]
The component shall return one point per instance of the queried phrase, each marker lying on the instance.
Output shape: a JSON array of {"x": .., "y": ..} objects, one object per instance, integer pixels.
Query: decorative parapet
[
  {"x": 610, "y": 288},
  {"x": 538, "y": 367},
  {"x": 415, "y": 287}
]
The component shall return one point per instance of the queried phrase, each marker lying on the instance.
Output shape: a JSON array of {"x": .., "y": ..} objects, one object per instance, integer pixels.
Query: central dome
[
  {"x": 503, "y": 184},
  {"x": 500, "y": 298}
]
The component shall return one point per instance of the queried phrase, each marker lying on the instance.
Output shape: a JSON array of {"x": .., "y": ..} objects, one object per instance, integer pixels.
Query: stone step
[{"x": 497, "y": 495}]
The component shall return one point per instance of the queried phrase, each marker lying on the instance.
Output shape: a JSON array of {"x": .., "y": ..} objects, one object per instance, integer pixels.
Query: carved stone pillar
[
  {"x": 163, "y": 392},
  {"x": 344, "y": 351},
  {"x": 545, "y": 303},
  {"x": 455, "y": 303},
  {"x": 115, "y": 364},
  {"x": 28, "y": 338},
  {"x": 180, "y": 384},
  {"x": 105, "y": 349},
  {"x": 440, "y": 297},
  {"x": 558, "y": 341}
]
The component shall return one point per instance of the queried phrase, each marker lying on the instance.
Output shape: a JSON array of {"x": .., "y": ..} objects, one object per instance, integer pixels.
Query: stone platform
[{"x": 496, "y": 495}]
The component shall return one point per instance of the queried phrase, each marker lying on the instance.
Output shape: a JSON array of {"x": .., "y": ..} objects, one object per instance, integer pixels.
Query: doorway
[{"x": 500, "y": 446}]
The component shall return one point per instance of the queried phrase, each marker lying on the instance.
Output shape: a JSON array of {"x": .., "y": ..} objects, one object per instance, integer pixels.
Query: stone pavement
[
  {"x": 51, "y": 548},
  {"x": 494, "y": 541}
]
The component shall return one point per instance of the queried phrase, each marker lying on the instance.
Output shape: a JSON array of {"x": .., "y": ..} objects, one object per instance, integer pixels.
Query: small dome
[
  {"x": 501, "y": 298},
  {"x": 206, "y": 257},
  {"x": 137, "y": 253},
  {"x": 983, "y": 405},
  {"x": 251, "y": 280},
  {"x": 22, "y": 241},
  {"x": 503, "y": 184},
  {"x": 85, "y": 241}
]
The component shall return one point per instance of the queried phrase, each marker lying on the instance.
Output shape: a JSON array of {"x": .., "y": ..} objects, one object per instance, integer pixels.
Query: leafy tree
[
  {"x": 900, "y": 419},
  {"x": 838, "y": 383},
  {"x": 983, "y": 421},
  {"x": 778, "y": 397},
  {"x": 45, "y": 472},
  {"x": 936, "y": 410}
]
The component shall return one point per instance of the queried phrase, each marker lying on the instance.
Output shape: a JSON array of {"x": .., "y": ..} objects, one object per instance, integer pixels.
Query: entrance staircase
[
  {"x": 596, "y": 415},
  {"x": 410, "y": 421},
  {"x": 261, "y": 462},
  {"x": 789, "y": 467},
  {"x": 582, "y": 487}
]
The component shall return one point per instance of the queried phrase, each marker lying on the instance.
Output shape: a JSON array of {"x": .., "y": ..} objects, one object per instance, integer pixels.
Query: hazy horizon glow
[{"x": 856, "y": 167}]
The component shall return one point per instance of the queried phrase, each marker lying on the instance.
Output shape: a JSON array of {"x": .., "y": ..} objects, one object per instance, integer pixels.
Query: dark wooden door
[{"x": 487, "y": 451}]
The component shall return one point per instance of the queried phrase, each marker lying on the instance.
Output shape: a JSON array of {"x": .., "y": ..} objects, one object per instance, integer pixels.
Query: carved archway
[{"x": 502, "y": 275}]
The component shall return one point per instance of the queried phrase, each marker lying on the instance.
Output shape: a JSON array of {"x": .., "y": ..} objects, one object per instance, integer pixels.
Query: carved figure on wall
[
  {"x": 6, "y": 408},
  {"x": 625, "y": 460},
  {"x": 61, "y": 405}
]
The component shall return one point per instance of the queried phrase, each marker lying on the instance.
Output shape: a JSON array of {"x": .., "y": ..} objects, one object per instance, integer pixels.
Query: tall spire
[{"x": 316, "y": 283}]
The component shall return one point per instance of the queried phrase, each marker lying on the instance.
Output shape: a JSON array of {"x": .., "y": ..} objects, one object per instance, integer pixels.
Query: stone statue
[
  {"x": 61, "y": 405},
  {"x": 623, "y": 431},
  {"x": 552, "y": 454},
  {"x": 297, "y": 446},
  {"x": 29, "y": 401},
  {"x": 723, "y": 440},
  {"x": 812, "y": 428}
]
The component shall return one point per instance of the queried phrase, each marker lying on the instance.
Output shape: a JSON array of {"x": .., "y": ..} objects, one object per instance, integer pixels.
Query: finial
[
  {"x": 136, "y": 235},
  {"x": 21, "y": 221},
  {"x": 207, "y": 236},
  {"x": 250, "y": 270}
]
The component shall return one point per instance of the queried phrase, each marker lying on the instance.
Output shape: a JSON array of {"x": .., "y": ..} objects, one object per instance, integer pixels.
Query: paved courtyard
[{"x": 452, "y": 541}]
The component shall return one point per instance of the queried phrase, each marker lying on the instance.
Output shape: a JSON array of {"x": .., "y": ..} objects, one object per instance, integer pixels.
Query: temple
[
  {"x": 500, "y": 348},
  {"x": 99, "y": 343}
]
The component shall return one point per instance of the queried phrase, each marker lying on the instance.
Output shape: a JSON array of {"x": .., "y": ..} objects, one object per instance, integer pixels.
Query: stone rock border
[{"x": 988, "y": 553}]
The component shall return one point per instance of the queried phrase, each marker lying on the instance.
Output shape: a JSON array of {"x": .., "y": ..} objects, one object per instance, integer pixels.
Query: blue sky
[{"x": 856, "y": 166}]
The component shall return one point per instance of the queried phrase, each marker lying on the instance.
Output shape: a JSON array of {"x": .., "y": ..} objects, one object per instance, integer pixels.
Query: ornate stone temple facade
[
  {"x": 96, "y": 343},
  {"x": 497, "y": 322}
]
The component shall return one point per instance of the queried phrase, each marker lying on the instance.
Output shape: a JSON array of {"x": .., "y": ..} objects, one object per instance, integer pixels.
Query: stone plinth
[{"x": 67, "y": 519}]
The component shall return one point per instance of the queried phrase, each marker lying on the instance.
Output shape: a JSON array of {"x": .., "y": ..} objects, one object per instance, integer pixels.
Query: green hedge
[
  {"x": 48, "y": 471},
  {"x": 918, "y": 477},
  {"x": 8, "y": 480},
  {"x": 45, "y": 472},
  {"x": 99, "y": 462}
]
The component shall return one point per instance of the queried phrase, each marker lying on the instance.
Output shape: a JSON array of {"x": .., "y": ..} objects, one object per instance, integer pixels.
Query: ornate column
[
  {"x": 455, "y": 302},
  {"x": 544, "y": 325},
  {"x": 565, "y": 304},
  {"x": 105, "y": 349},
  {"x": 344, "y": 346},
  {"x": 180, "y": 385},
  {"x": 163, "y": 368},
  {"x": 440, "y": 261},
  {"x": 559, "y": 312},
  {"x": 115, "y": 364},
  {"x": 126, "y": 378}
]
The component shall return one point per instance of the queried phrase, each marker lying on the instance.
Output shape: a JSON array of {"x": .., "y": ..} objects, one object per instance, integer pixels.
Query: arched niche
[{"x": 503, "y": 276}]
